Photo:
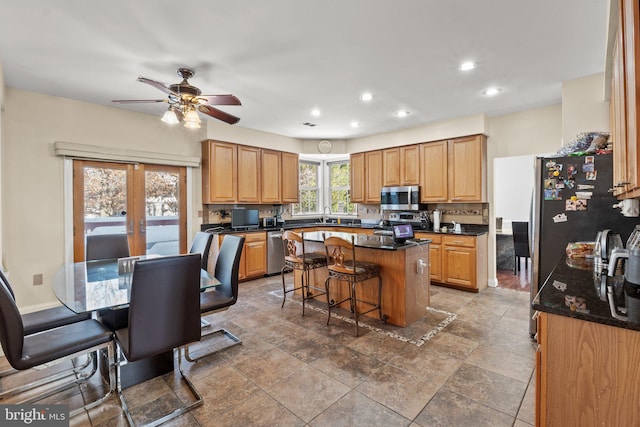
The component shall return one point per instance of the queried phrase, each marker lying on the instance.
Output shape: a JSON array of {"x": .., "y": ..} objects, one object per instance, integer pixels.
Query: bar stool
[
  {"x": 343, "y": 266},
  {"x": 296, "y": 258}
]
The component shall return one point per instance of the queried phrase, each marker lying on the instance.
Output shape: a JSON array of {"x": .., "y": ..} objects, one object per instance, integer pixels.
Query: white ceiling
[{"x": 284, "y": 57}]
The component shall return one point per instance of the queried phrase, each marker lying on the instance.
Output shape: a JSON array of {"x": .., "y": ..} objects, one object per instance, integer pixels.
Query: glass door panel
[{"x": 162, "y": 212}]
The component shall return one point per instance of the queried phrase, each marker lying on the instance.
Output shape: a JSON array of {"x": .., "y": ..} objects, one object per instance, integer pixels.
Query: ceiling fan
[{"x": 185, "y": 100}]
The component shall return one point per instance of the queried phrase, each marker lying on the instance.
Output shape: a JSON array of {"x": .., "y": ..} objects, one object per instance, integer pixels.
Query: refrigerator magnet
[
  {"x": 584, "y": 195},
  {"x": 572, "y": 170},
  {"x": 588, "y": 167},
  {"x": 591, "y": 176},
  {"x": 581, "y": 205},
  {"x": 552, "y": 194},
  {"x": 570, "y": 205},
  {"x": 561, "y": 217}
]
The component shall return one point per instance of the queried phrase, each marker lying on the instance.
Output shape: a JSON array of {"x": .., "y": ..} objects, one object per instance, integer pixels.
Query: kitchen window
[{"x": 324, "y": 183}]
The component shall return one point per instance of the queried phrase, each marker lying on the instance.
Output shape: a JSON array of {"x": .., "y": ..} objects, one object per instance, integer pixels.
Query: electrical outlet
[{"x": 37, "y": 279}]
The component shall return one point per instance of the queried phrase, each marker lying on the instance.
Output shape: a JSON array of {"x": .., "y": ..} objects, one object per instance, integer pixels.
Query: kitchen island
[
  {"x": 404, "y": 269},
  {"x": 588, "y": 358}
]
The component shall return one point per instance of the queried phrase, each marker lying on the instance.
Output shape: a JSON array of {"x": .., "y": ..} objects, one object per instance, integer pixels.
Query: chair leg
[
  {"x": 235, "y": 341},
  {"x": 305, "y": 287},
  {"x": 326, "y": 290},
  {"x": 284, "y": 288},
  {"x": 354, "y": 304}
]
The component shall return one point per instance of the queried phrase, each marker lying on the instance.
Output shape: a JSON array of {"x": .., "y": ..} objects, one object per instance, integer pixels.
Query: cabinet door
[
  {"x": 391, "y": 166},
  {"x": 617, "y": 110},
  {"x": 631, "y": 43},
  {"x": 356, "y": 166},
  {"x": 255, "y": 248},
  {"x": 289, "y": 178},
  {"x": 270, "y": 186},
  {"x": 249, "y": 174},
  {"x": 433, "y": 172},
  {"x": 460, "y": 266},
  {"x": 410, "y": 165},
  {"x": 435, "y": 262},
  {"x": 373, "y": 172},
  {"x": 467, "y": 176},
  {"x": 219, "y": 172}
]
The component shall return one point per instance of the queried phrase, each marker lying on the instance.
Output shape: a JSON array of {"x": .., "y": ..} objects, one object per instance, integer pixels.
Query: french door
[{"x": 147, "y": 202}]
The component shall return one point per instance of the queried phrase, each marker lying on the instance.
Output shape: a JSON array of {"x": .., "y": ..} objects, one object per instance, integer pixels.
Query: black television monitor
[
  {"x": 245, "y": 218},
  {"x": 402, "y": 232}
]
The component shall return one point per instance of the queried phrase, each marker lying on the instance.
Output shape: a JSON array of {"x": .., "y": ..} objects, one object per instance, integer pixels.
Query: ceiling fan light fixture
[
  {"x": 192, "y": 125},
  {"x": 170, "y": 117},
  {"x": 191, "y": 116}
]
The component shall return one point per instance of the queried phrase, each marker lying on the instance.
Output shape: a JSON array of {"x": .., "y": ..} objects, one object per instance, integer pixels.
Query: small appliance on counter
[
  {"x": 606, "y": 242},
  {"x": 436, "y": 219},
  {"x": 268, "y": 222}
]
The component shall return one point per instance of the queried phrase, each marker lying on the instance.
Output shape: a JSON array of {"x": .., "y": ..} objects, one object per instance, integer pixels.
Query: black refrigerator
[{"x": 571, "y": 203}]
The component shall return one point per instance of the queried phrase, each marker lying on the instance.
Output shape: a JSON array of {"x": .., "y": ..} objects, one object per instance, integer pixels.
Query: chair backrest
[
  {"x": 341, "y": 254},
  {"x": 164, "y": 309},
  {"x": 228, "y": 265},
  {"x": 202, "y": 244},
  {"x": 11, "y": 327},
  {"x": 293, "y": 246},
  {"x": 520, "y": 238},
  {"x": 106, "y": 246},
  {"x": 4, "y": 280}
]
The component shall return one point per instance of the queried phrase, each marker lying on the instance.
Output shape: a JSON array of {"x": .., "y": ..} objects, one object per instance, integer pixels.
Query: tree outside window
[
  {"x": 339, "y": 188},
  {"x": 309, "y": 189}
]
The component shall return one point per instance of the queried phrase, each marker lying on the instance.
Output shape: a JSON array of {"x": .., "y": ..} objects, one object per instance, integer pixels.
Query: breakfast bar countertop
[{"x": 582, "y": 294}]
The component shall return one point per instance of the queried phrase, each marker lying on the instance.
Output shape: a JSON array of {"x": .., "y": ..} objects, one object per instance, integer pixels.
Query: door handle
[{"x": 142, "y": 227}]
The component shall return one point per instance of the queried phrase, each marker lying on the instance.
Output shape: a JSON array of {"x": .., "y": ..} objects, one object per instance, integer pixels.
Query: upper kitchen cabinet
[
  {"x": 356, "y": 166},
  {"x": 249, "y": 166},
  {"x": 433, "y": 172},
  {"x": 234, "y": 173},
  {"x": 400, "y": 166},
  {"x": 290, "y": 178},
  {"x": 373, "y": 174},
  {"x": 624, "y": 113},
  {"x": 219, "y": 172},
  {"x": 467, "y": 158},
  {"x": 270, "y": 182},
  {"x": 454, "y": 170}
]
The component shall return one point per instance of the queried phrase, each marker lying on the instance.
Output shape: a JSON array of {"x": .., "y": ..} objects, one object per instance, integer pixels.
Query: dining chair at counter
[
  {"x": 163, "y": 315},
  {"x": 106, "y": 246}
]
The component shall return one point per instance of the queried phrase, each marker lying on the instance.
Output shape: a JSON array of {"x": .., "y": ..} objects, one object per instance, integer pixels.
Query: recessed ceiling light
[
  {"x": 467, "y": 66},
  {"x": 316, "y": 112},
  {"x": 492, "y": 91},
  {"x": 402, "y": 113},
  {"x": 366, "y": 96},
  {"x": 355, "y": 124}
]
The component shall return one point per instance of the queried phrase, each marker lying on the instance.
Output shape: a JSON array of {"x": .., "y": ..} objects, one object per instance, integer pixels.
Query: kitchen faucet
[{"x": 325, "y": 215}]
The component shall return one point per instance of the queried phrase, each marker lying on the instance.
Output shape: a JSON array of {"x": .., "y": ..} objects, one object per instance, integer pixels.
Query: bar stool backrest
[{"x": 341, "y": 255}]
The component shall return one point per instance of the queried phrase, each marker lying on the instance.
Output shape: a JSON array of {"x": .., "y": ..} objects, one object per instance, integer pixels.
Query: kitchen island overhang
[{"x": 404, "y": 269}]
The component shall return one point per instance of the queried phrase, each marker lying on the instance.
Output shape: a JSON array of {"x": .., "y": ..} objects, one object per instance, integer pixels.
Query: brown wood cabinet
[
  {"x": 625, "y": 95},
  {"x": 253, "y": 261},
  {"x": 434, "y": 172},
  {"x": 454, "y": 170},
  {"x": 289, "y": 177},
  {"x": 458, "y": 261},
  {"x": 234, "y": 173},
  {"x": 357, "y": 177},
  {"x": 219, "y": 172},
  {"x": 270, "y": 177},
  {"x": 401, "y": 166},
  {"x": 373, "y": 175},
  {"x": 248, "y": 174},
  {"x": 586, "y": 373}
]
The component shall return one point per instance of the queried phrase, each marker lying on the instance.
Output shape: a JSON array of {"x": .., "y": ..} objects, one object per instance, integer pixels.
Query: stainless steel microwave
[{"x": 405, "y": 198}]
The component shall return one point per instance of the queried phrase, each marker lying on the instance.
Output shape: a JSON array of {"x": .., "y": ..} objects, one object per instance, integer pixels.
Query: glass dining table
[
  {"x": 92, "y": 286},
  {"x": 103, "y": 287}
]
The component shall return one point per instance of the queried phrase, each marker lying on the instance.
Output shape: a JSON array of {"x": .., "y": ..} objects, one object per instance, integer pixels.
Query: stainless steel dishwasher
[{"x": 275, "y": 252}]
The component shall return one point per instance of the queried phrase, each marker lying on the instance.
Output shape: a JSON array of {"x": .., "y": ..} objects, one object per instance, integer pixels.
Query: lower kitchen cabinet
[
  {"x": 253, "y": 261},
  {"x": 586, "y": 373},
  {"x": 458, "y": 261}
]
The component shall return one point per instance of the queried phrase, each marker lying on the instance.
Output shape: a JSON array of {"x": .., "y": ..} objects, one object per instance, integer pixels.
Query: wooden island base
[{"x": 405, "y": 290}]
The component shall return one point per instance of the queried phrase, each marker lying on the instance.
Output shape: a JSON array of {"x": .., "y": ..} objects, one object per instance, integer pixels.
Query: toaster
[{"x": 269, "y": 222}]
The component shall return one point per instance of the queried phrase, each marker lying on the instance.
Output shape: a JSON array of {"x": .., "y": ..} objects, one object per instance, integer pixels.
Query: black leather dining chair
[
  {"x": 106, "y": 246},
  {"x": 163, "y": 315},
  {"x": 202, "y": 244},
  {"x": 66, "y": 342},
  {"x": 43, "y": 320},
  {"x": 520, "y": 244},
  {"x": 225, "y": 295}
]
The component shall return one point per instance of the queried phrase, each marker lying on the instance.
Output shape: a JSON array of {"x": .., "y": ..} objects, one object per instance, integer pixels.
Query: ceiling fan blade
[
  {"x": 218, "y": 114},
  {"x": 138, "y": 101},
  {"x": 157, "y": 85},
  {"x": 221, "y": 99}
]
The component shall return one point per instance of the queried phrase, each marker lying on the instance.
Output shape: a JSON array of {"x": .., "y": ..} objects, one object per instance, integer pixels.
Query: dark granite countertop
[
  {"x": 366, "y": 240},
  {"x": 582, "y": 294}
]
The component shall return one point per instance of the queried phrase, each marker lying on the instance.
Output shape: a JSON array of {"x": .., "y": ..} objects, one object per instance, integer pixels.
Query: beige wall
[
  {"x": 530, "y": 132},
  {"x": 239, "y": 135},
  {"x": 584, "y": 108},
  {"x": 33, "y": 237}
]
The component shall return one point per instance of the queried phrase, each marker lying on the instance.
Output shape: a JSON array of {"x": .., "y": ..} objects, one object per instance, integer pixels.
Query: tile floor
[{"x": 294, "y": 371}]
